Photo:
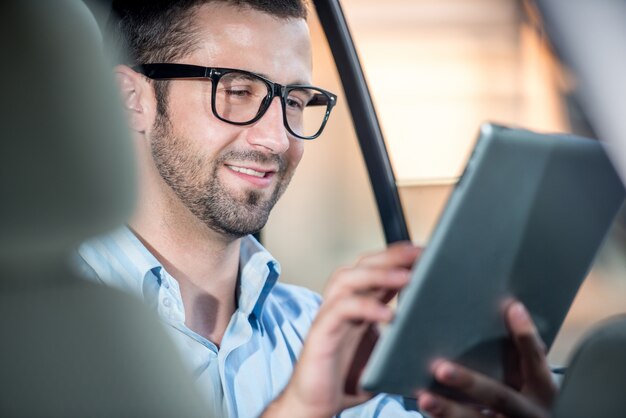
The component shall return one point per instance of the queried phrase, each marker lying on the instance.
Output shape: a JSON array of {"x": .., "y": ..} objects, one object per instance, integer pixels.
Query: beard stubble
[{"x": 195, "y": 181}]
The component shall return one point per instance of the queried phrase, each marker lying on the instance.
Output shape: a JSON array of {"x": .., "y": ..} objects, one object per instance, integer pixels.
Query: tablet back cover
[{"x": 525, "y": 220}]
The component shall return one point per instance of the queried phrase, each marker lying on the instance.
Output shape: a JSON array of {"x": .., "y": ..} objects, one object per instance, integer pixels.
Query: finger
[
  {"x": 439, "y": 407},
  {"x": 343, "y": 324},
  {"x": 366, "y": 345},
  {"x": 341, "y": 313},
  {"x": 399, "y": 254},
  {"x": 485, "y": 391},
  {"x": 365, "y": 280},
  {"x": 532, "y": 351},
  {"x": 523, "y": 329},
  {"x": 385, "y": 295}
]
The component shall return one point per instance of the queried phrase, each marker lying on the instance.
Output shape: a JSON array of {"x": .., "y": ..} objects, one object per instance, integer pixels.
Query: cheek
[
  {"x": 189, "y": 108},
  {"x": 192, "y": 120}
]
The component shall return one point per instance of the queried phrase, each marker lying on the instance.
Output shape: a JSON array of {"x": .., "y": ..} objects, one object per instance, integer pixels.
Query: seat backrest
[
  {"x": 595, "y": 383},
  {"x": 66, "y": 160},
  {"x": 69, "y": 346}
]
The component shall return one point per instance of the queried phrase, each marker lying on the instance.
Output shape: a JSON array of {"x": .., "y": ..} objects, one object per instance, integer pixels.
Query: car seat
[{"x": 70, "y": 347}]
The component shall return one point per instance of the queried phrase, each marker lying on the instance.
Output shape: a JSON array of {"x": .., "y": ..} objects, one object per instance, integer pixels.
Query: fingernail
[
  {"x": 401, "y": 274},
  {"x": 448, "y": 371},
  {"x": 434, "y": 365},
  {"x": 519, "y": 312},
  {"x": 429, "y": 403}
]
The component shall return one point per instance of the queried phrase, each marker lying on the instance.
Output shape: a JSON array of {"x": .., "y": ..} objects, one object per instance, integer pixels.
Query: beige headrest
[{"x": 66, "y": 159}]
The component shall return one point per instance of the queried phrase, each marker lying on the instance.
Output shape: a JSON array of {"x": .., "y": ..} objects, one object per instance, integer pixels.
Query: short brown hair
[
  {"x": 152, "y": 31},
  {"x": 160, "y": 31}
]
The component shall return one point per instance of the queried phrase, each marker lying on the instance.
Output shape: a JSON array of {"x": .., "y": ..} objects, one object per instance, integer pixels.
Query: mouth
[
  {"x": 250, "y": 171},
  {"x": 257, "y": 176}
]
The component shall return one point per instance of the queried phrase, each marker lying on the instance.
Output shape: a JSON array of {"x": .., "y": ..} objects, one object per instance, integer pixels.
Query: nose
[{"x": 269, "y": 132}]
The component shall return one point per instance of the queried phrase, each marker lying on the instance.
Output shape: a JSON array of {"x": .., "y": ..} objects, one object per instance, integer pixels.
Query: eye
[
  {"x": 294, "y": 103},
  {"x": 238, "y": 92},
  {"x": 241, "y": 87},
  {"x": 298, "y": 99}
]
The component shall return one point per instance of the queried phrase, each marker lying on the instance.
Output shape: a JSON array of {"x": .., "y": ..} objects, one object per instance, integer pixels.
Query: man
[{"x": 216, "y": 92}]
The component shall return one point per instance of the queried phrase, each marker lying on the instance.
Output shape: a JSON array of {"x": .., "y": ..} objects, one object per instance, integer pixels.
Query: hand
[
  {"x": 343, "y": 335},
  {"x": 534, "y": 398}
]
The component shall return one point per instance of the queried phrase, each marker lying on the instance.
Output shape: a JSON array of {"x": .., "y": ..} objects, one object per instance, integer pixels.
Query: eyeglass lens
[{"x": 239, "y": 97}]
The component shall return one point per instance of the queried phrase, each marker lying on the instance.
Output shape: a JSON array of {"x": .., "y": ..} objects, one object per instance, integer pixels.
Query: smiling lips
[
  {"x": 258, "y": 177},
  {"x": 248, "y": 171}
]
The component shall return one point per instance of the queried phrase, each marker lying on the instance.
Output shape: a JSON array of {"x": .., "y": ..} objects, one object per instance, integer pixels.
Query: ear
[{"x": 138, "y": 98}]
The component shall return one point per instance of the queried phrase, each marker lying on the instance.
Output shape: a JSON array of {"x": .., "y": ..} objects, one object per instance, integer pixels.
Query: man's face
[{"x": 231, "y": 176}]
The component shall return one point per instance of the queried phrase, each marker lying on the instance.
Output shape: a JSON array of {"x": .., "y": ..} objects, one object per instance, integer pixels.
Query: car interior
[{"x": 67, "y": 174}]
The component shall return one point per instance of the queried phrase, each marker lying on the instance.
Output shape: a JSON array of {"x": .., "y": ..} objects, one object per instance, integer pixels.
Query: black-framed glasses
[{"x": 241, "y": 97}]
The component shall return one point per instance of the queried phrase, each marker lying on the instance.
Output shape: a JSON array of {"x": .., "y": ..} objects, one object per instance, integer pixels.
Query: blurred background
[{"x": 436, "y": 69}]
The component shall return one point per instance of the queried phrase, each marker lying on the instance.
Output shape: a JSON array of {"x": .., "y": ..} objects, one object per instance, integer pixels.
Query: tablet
[{"x": 525, "y": 221}]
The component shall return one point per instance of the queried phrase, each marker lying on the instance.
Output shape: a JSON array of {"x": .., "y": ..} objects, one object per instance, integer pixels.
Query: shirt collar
[
  {"x": 120, "y": 260},
  {"x": 258, "y": 273},
  {"x": 124, "y": 262}
]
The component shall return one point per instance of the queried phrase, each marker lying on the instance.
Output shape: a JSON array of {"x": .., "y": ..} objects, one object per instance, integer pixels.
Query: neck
[{"x": 204, "y": 262}]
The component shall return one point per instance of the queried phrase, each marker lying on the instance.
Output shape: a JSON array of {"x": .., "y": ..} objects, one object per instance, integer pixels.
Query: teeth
[{"x": 247, "y": 171}]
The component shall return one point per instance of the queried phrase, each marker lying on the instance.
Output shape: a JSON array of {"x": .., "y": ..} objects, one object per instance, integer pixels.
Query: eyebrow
[
  {"x": 295, "y": 83},
  {"x": 245, "y": 76},
  {"x": 303, "y": 83}
]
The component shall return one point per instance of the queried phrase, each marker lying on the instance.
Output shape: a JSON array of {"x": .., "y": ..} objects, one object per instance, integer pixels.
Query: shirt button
[
  {"x": 167, "y": 302},
  {"x": 166, "y": 284}
]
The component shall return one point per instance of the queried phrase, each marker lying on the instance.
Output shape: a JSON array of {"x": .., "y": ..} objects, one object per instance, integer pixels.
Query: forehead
[{"x": 235, "y": 37}]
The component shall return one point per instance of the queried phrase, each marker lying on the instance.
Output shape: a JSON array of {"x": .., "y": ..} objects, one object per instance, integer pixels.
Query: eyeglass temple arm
[{"x": 365, "y": 120}]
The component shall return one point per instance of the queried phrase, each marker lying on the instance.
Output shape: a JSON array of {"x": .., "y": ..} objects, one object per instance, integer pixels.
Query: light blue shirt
[{"x": 261, "y": 343}]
